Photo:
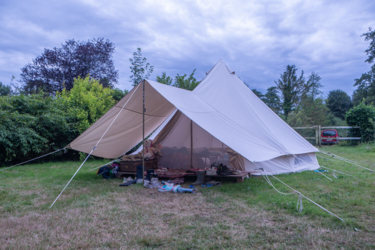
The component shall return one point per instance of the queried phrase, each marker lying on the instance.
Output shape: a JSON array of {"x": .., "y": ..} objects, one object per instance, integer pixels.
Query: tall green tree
[
  {"x": 291, "y": 88},
  {"x": 118, "y": 94},
  {"x": 258, "y": 93},
  {"x": 313, "y": 86},
  {"x": 272, "y": 99},
  {"x": 180, "y": 81},
  {"x": 339, "y": 103},
  {"x": 366, "y": 83},
  {"x": 309, "y": 112},
  {"x": 185, "y": 82},
  {"x": 4, "y": 90},
  {"x": 167, "y": 80},
  {"x": 140, "y": 68},
  {"x": 56, "y": 69}
]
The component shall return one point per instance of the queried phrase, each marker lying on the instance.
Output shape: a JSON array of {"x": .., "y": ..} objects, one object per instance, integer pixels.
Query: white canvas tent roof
[{"x": 221, "y": 106}]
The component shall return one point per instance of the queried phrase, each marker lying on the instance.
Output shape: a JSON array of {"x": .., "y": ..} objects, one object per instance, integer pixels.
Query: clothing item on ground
[
  {"x": 169, "y": 187},
  {"x": 154, "y": 183},
  {"x": 106, "y": 172},
  {"x": 128, "y": 183}
]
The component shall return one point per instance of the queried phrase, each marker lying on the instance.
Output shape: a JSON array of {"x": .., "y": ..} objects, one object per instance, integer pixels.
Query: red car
[{"x": 329, "y": 137}]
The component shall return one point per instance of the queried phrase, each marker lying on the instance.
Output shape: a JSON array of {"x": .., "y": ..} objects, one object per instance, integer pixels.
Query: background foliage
[
  {"x": 363, "y": 116},
  {"x": 33, "y": 125},
  {"x": 180, "y": 81},
  {"x": 55, "y": 69},
  {"x": 366, "y": 83},
  {"x": 65, "y": 90},
  {"x": 4, "y": 90},
  {"x": 87, "y": 101},
  {"x": 140, "y": 68}
]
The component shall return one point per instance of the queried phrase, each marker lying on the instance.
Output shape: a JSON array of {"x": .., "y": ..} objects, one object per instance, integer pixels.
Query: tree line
[
  {"x": 62, "y": 93},
  {"x": 65, "y": 90},
  {"x": 300, "y": 102}
]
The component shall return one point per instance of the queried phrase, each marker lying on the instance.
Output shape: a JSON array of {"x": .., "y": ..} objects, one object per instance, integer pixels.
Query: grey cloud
[{"x": 257, "y": 39}]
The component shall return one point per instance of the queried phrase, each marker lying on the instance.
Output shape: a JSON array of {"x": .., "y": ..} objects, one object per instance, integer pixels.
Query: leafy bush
[
  {"x": 87, "y": 101},
  {"x": 32, "y": 125},
  {"x": 36, "y": 124},
  {"x": 363, "y": 116}
]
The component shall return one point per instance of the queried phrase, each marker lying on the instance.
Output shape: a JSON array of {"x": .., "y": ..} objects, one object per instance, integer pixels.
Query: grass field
[{"x": 94, "y": 213}]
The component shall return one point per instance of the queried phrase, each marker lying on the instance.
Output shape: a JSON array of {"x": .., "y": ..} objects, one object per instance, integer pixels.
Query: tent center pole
[
  {"x": 143, "y": 133},
  {"x": 191, "y": 143}
]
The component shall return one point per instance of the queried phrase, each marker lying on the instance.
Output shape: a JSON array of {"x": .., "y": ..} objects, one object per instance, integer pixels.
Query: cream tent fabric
[{"x": 222, "y": 106}]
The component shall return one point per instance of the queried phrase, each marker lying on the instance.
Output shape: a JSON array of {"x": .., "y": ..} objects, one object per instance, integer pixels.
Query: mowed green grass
[{"x": 94, "y": 213}]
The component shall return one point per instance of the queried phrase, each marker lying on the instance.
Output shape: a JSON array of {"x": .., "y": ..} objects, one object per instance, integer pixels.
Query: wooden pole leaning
[{"x": 143, "y": 133}]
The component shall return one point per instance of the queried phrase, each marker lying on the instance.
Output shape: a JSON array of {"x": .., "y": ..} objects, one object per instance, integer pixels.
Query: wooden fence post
[
  {"x": 320, "y": 136},
  {"x": 316, "y": 136}
]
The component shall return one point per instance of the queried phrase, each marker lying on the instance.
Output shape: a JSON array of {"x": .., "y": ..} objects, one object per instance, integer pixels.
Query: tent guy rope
[
  {"x": 33, "y": 159},
  {"x": 337, "y": 171},
  {"x": 345, "y": 160},
  {"x": 310, "y": 200},
  {"x": 325, "y": 176},
  {"x": 299, "y": 203},
  {"x": 323, "y": 166},
  {"x": 71, "y": 179},
  {"x": 95, "y": 145}
]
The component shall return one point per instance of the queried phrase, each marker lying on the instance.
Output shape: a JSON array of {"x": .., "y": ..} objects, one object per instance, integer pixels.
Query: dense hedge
[
  {"x": 363, "y": 116},
  {"x": 33, "y": 125}
]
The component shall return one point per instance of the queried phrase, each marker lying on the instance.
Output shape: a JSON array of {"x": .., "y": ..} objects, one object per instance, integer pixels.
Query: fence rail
[
  {"x": 318, "y": 132},
  {"x": 349, "y": 138}
]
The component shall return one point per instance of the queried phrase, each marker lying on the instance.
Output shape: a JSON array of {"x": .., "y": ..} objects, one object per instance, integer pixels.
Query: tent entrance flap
[
  {"x": 127, "y": 130},
  {"x": 184, "y": 144}
]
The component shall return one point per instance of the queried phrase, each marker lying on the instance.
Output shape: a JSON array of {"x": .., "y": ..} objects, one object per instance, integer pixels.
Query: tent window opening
[{"x": 302, "y": 159}]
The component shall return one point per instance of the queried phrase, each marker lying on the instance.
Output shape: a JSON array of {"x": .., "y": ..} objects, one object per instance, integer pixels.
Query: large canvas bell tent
[{"x": 220, "y": 120}]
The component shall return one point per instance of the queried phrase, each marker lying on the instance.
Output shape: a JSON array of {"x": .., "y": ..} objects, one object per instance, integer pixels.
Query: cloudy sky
[{"x": 257, "y": 39}]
